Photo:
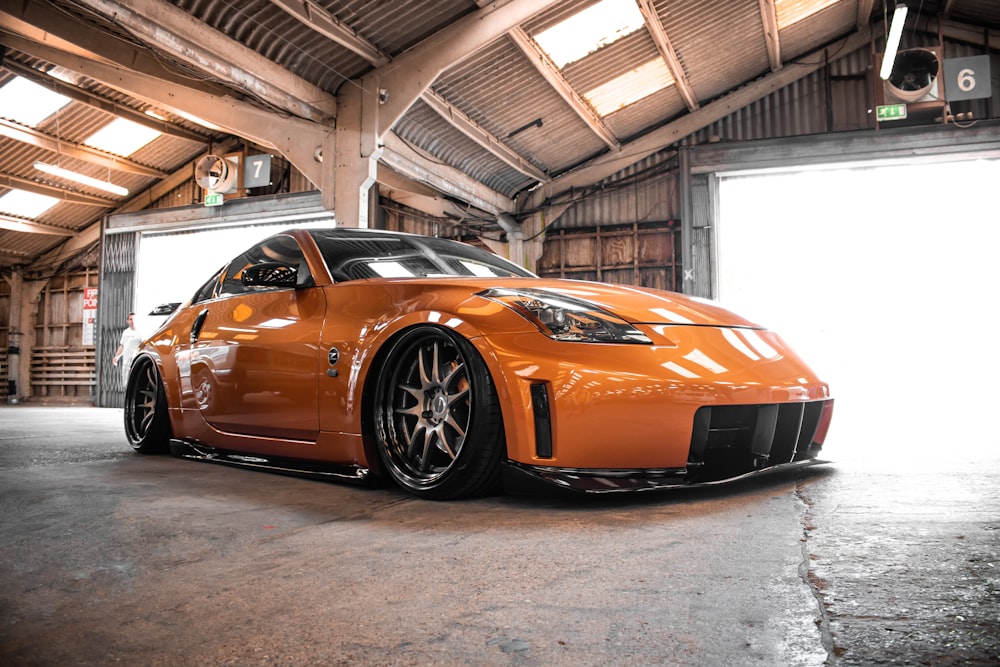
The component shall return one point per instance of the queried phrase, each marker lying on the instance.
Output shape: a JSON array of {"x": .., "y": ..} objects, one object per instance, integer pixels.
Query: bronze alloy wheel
[{"x": 437, "y": 416}]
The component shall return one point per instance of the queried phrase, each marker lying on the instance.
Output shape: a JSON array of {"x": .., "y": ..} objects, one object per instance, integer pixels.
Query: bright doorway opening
[{"x": 885, "y": 280}]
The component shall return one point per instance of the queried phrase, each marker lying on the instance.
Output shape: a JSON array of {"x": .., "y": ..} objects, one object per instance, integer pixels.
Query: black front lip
[{"x": 522, "y": 478}]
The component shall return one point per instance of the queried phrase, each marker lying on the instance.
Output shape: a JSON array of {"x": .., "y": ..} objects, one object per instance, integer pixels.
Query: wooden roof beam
[
  {"x": 177, "y": 33},
  {"x": 31, "y": 136},
  {"x": 667, "y": 52},
  {"x": 328, "y": 25},
  {"x": 865, "y": 12},
  {"x": 408, "y": 75},
  {"x": 10, "y": 181},
  {"x": 769, "y": 17},
  {"x": 471, "y": 129},
  {"x": 90, "y": 99},
  {"x": 550, "y": 72},
  {"x": 609, "y": 164},
  {"x": 404, "y": 160},
  {"x": 296, "y": 139},
  {"x": 15, "y": 224},
  {"x": 31, "y": 21},
  {"x": 324, "y": 23}
]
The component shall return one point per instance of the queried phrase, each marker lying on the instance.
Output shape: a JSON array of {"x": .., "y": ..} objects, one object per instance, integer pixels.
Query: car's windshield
[{"x": 355, "y": 255}]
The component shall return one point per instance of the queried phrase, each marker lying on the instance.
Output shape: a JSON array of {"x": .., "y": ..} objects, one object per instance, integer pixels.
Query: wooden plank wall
[
  {"x": 62, "y": 367},
  {"x": 631, "y": 254}
]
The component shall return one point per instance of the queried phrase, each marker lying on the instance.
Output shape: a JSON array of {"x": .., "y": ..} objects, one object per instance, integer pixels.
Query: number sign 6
[{"x": 967, "y": 78}]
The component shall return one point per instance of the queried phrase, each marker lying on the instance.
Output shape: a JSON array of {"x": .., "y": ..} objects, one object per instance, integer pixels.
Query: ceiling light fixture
[
  {"x": 892, "y": 43},
  {"x": 107, "y": 186}
]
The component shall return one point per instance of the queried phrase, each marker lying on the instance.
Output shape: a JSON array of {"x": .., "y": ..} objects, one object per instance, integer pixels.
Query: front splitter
[{"x": 520, "y": 478}]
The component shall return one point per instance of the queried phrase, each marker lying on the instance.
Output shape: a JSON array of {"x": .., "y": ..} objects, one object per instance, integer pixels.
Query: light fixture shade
[{"x": 892, "y": 43}]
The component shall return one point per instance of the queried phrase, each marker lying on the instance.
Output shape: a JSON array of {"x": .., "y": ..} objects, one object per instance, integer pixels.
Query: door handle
[{"x": 198, "y": 324}]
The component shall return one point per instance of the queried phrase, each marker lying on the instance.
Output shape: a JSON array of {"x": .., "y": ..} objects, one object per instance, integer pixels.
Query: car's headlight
[{"x": 566, "y": 318}]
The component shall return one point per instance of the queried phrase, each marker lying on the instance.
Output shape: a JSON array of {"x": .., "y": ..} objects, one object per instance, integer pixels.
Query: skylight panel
[
  {"x": 790, "y": 12},
  {"x": 391, "y": 269},
  {"x": 121, "y": 137},
  {"x": 26, "y": 204},
  {"x": 64, "y": 75},
  {"x": 477, "y": 269},
  {"x": 587, "y": 31},
  {"x": 630, "y": 87},
  {"x": 28, "y": 103}
]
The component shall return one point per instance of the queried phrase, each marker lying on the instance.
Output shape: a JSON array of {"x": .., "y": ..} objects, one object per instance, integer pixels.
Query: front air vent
[
  {"x": 543, "y": 421},
  {"x": 731, "y": 440}
]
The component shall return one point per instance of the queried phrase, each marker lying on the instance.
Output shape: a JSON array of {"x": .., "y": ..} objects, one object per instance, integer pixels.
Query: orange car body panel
[
  {"x": 624, "y": 406},
  {"x": 260, "y": 376}
]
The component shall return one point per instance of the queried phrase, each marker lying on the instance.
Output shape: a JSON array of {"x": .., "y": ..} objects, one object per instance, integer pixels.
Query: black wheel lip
[{"x": 133, "y": 427}]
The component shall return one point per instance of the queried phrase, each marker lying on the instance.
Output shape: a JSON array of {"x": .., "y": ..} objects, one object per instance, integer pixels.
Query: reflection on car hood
[
  {"x": 648, "y": 306},
  {"x": 637, "y": 305}
]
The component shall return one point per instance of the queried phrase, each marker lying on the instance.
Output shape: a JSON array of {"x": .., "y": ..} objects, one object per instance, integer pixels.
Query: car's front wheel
[
  {"x": 147, "y": 426},
  {"x": 437, "y": 418}
]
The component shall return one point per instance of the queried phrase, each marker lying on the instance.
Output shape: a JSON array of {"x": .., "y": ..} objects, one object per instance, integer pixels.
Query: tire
[
  {"x": 437, "y": 419},
  {"x": 146, "y": 424}
]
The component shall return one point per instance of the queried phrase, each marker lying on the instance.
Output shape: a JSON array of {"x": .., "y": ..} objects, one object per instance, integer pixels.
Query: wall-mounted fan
[
  {"x": 914, "y": 77},
  {"x": 217, "y": 173}
]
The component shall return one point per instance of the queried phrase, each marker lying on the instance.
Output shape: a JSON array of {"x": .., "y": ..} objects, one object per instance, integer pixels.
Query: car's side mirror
[
  {"x": 165, "y": 308},
  {"x": 270, "y": 274}
]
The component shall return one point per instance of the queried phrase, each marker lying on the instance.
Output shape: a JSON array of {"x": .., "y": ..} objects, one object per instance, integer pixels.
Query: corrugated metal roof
[
  {"x": 720, "y": 48},
  {"x": 611, "y": 61},
  {"x": 267, "y": 29},
  {"x": 718, "y": 42},
  {"x": 555, "y": 14},
  {"x": 834, "y": 21},
  {"x": 977, "y": 12},
  {"x": 424, "y": 128},
  {"x": 504, "y": 94}
]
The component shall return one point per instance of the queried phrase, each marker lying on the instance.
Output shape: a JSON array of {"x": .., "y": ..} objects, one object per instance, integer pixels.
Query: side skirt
[{"x": 298, "y": 467}]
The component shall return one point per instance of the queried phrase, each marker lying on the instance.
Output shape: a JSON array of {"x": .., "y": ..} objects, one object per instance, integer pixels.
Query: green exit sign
[
  {"x": 213, "y": 198},
  {"x": 890, "y": 112}
]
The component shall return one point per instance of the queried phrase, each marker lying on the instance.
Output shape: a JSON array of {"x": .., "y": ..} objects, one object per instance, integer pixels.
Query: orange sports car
[{"x": 362, "y": 354}]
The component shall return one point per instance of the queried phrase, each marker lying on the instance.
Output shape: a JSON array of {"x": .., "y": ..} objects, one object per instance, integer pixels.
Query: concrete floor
[{"x": 110, "y": 557}]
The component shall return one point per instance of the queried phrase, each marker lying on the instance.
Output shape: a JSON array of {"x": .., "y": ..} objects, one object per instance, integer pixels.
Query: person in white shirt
[{"x": 127, "y": 348}]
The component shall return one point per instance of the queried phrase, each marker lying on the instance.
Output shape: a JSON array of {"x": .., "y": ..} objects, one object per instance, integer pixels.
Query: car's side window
[
  {"x": 281, "y": 249},
  {"x": 210, "y": 289}
]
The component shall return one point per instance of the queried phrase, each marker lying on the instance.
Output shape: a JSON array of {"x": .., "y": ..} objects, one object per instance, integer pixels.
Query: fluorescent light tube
[
  {"x": 892, "y": 43},
  {"x": 80, "y": 178}
]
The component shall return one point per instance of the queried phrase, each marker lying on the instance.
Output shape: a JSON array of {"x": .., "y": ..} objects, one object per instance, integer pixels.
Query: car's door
[{"x": 253, "y": 357}]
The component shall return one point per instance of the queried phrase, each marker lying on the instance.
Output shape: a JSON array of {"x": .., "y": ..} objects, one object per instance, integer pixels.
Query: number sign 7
[{"x": 257, "y": 172}]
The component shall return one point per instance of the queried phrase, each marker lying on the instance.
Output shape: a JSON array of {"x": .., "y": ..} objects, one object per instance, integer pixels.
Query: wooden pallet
[{"x": 59, "y": 371}]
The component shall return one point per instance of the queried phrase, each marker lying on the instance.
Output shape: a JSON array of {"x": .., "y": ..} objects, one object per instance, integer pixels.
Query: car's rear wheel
[
  {"x": 437, "y": 417},
  {"x": 146, "y": 424}
]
